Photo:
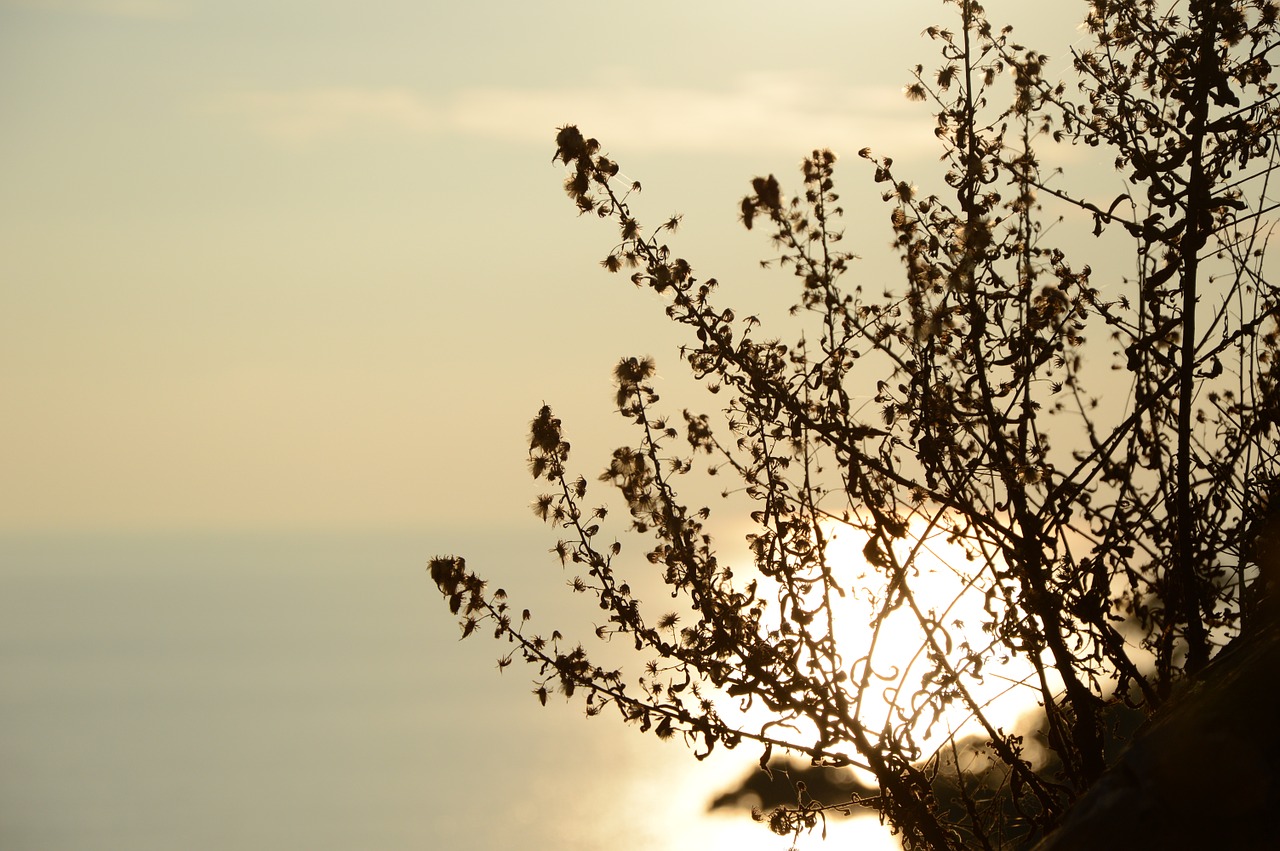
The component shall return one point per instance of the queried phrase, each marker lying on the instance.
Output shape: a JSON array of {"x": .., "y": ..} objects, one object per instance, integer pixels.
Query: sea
[{"x": 267, "y": 691}]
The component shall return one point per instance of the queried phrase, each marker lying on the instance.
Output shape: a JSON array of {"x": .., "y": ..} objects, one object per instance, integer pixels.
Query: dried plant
[{"x": 1095, "y": 459}]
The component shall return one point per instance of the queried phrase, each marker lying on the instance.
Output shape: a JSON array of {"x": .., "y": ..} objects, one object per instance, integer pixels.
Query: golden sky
[{"x": 302, "y": 263}]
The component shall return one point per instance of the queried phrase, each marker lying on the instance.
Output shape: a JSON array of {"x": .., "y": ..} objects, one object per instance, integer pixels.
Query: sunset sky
[
  {"x": 305, "y": 267},
  {"x": 308, "y": 265}
]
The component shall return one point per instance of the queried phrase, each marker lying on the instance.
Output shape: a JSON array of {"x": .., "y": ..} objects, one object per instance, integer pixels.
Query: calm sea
[{"x": 279, "y": 692}]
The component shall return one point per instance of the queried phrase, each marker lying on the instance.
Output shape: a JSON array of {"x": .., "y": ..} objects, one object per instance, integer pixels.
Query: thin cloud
[
  {"x": 775, "y": 112},
  {"x": 787, "y": 112}
]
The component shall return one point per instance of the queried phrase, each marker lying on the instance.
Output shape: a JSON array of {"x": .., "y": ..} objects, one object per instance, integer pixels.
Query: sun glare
[{"x": 949, "y": 585}]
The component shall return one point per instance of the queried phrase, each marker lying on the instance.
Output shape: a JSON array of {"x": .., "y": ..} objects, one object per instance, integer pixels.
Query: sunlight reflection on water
[{"x": 267, "y": 692}]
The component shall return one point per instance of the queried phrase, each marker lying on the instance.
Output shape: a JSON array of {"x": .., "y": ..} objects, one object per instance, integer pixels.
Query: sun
[{"x": 949, "y": 582}]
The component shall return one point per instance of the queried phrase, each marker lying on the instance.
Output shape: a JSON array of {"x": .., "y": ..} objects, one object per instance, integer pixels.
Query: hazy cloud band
[{"x": 785, "y": 112}]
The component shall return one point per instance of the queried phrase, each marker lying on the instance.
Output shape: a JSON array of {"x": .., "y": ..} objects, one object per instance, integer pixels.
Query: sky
[{"x": 307, "y": 265}]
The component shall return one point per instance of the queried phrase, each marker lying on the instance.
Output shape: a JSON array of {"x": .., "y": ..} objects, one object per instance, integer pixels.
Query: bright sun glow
[{"x": 949, "y": 585}]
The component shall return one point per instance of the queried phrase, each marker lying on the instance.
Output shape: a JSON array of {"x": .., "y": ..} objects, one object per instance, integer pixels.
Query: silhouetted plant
[{"x": 1109, "y": 525}]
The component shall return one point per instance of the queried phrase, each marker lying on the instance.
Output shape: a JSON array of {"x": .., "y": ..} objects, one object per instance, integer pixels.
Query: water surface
[{"x": 271, "y": 691}]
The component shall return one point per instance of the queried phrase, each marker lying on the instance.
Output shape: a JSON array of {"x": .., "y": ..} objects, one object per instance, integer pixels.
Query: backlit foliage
[{"x": 1100, "y": 446}]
